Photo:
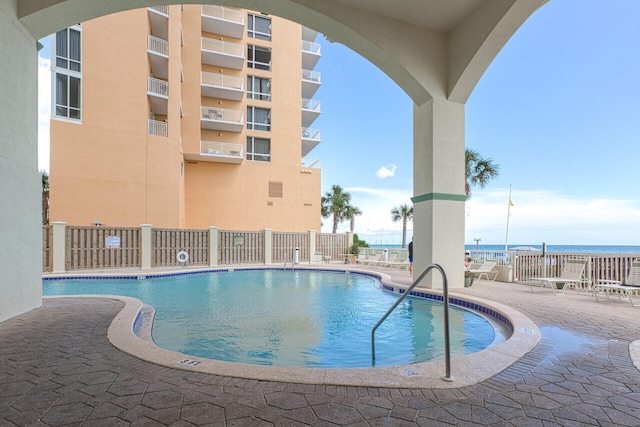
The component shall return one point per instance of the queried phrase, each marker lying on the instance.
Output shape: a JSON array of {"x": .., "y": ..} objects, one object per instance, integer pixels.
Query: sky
[{"x": 557, "y": 110}]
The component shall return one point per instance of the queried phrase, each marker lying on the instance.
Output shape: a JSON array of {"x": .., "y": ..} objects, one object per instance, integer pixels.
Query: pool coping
[{"x": 465, "y": 370}]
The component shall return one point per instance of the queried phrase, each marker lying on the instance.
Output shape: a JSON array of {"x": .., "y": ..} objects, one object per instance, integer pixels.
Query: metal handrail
[{"x": 445, "y": 297}]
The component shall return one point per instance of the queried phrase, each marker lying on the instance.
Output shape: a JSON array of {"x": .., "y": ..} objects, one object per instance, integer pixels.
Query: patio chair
[
  {"x": 625, "y": 291},
  {"x": 485, "y": 269},
  {"x": 371, "y": 260},
  {"x": 571, "y": 275},
  {"x": 390, "y": 259}
]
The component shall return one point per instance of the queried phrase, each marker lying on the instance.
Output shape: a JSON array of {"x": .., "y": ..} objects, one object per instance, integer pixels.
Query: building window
[
  {"x": 259, "y": 57},
  {"x": 67, "y": 69},
  {"x": 258, "y": 88},
  {"x": 259, "y": 27},
  {"x": 258, "y": 118},
  {"x": 258, "y": 149}
]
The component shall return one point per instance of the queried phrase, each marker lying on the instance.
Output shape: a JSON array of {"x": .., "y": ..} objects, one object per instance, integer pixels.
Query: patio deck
[{"x": 57, "y": 367}]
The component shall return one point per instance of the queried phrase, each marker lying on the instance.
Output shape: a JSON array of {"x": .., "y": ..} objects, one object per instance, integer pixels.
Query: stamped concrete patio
[{"x": 57, "y": 367}]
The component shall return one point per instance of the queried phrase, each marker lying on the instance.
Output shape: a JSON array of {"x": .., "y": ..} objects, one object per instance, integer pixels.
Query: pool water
[{"x": 293, "y": 318}]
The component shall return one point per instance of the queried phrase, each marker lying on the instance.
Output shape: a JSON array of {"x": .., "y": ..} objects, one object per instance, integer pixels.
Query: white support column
[
  {"x": 213, "y": 246},
  {"x": 59, "y": 246},
  {"x": 145, "y": 246},
  {"x": 268, "y": 245},
  {"x": 438, "y": 186},
  {"x": 312, "y": 245},
  {"x": 20, "y": 182}
]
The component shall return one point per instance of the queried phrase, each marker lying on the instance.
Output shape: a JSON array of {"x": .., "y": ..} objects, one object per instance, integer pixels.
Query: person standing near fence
[{"x": 411, "y": 256}]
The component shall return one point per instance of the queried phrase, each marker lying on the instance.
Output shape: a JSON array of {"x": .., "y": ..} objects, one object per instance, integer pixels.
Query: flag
[{"x": 510, "y": 202}]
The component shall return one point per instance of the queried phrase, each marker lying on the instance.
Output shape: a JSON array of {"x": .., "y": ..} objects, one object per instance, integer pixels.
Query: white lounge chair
[
  {"x": 571, "y": 275},
  {"x": 626, "y": 291},
  {"x": 485, "y": 269}
]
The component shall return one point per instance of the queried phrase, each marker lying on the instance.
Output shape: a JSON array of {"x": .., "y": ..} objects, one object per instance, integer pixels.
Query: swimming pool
[{"x": 293, "y": 318}]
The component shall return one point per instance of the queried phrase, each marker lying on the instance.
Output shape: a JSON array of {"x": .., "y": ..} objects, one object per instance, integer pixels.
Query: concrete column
[
  {"x": 146, "y": 247},
  {"x": 438, "y": 187},
  {"x": 20, "y": 183},
  {"x": 59, "y": 246},
  {"x": 268, "y": 245},
  {"x": 213, "y": 246},
  {"x": 312, "y": 245}
]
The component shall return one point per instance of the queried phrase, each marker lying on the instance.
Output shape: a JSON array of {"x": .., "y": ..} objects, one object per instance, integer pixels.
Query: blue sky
[{"x": 557, "y": 110}]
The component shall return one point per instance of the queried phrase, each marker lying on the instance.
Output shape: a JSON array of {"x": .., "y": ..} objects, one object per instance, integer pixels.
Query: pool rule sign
[{"x": 112, "y": 242}]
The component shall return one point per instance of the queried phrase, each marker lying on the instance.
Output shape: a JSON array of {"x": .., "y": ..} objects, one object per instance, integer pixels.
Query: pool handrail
[{"x": 445, "y": 299}]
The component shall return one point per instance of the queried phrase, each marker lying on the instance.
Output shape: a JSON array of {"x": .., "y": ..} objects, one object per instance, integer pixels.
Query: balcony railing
[
  {"x": 158, "y": 87},
  {"x": 222, "y": 20},
  {"x": 311, "y": 105},
  {"x": 310, "y": 83},
  {"x": 221, "y": 86},
  {"x": 221, "y": 119},
  {"x": 214, "y": 148},
  {"x": 161, "y": 9},
  {"x": 159, "y": 20},
  {"x": 158, "y": 46},
  {"x": 158, "y": 128},
  {"x": 310, "y": 163},
  {"x": 311, "y": 47},
  {"x": 223, "y": 54},
  {"x": 311, "y": 76},
  {"x": 310, "y": 111},
  {"x": 310, "y": 138},
  {"x": 310, "y": 54}
]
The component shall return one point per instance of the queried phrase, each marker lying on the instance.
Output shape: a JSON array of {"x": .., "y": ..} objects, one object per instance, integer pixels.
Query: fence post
[
  {"x": 312, "y": 245},
  {"x": 145, "y": 246},
  {"x": 349, "y": 241},
  {"x": 59, "y": 246},
  {"x": 213, "y": 246},
  {"x": 268, "y": 245}
]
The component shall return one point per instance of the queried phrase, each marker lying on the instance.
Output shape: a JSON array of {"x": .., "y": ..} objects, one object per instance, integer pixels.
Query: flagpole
[{"x": 506, "y": 237}]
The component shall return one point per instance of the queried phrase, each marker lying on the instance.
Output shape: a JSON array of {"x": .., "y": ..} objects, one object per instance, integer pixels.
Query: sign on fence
[
  {"x": 112, "y": 242},
  {"x": 238, "y": 240}
]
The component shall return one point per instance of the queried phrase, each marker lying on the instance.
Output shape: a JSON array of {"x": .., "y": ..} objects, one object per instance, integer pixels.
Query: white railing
[
  {"x": 212, "y": 148},
  {"x": 311, "y": 133},
  {"x": 221, "y": 114},
  {"x": 219, "y": 80},
  {"x": 161, "y": 9},
  {"x": 311, "y": 47},
  {"x": 157, "y": 45},
  {"x": 158, "y": 128},
  {"x": 158, "y": 87},
  {"x": 310, "y": 104},
  {"x": 223, "y": 13},
  {"x": 220, "y": 46},
  {"x": 310, "y": 163},
  {"x": 311, "y": 75}
]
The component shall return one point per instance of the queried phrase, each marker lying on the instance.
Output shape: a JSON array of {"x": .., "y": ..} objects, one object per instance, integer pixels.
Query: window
[
  {"x": 67, "y": 73},
  {"x": 258, "y": 88},
  {"x": 258, "y": 149},
  {"x": 258, "y": 118},
  {"x": 259, "y": 27},
  {"x": 259, "y": 57}
]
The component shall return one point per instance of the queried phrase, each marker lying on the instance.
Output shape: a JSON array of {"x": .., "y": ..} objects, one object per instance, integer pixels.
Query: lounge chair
[
  {"x": 390, "y": 259},
  {"x": 485, "y": 269},
  {"x": 626, "y": 290},
  {"x": 371, "y": 260},
  {"x": 571, "y": 275}
]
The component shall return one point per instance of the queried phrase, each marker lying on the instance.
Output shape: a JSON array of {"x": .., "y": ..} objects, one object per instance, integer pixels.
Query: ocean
[{"x": 595, "y": 249}]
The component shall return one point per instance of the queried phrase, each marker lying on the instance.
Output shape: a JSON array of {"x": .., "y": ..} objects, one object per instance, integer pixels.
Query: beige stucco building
[{"x": 185, "y": 117}]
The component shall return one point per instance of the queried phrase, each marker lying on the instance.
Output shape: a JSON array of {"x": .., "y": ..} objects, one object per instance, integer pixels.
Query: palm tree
[
  {"x": 404, "y": 213},
  {"x": 334, "y": 203},
  {"x": 350, "y": 213},
  {"x": 478, "y": 171},
  {"x": 45, "y": 197}
]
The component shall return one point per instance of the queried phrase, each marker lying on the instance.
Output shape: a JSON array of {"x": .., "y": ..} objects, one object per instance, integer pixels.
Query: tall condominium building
[{"x": 185, "y": 116}]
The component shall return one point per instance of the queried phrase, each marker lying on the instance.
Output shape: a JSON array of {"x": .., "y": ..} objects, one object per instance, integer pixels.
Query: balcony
[
  {"x": 220, "y": 86},
  {"x": 158, "y": 52},
  {"x": 310, "y": 83},
  {"x": 221, "y": 119},
  {"x": 223, "y": 21},
  {"x": 310, "y": 138},
  {"x": 158, "y": 94},
  {"x": 158, "y": 128},
  {"x": 159, "y": 19},
  {"x": 218, "y": 152},
  {"x": 222, "y": 54},
  {"x": 310, "y": 111},
  {"x": 310, "y": 54}
]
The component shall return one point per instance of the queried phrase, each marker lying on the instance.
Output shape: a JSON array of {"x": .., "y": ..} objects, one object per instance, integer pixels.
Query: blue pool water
[{"x": 293, "y": 318}]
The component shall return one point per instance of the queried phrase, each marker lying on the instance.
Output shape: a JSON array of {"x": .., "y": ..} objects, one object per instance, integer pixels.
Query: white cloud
[
  {"x": 386, "y": 171},
  {"x": 551, "y": 217},
  {"x": 44, "y": 111}
]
